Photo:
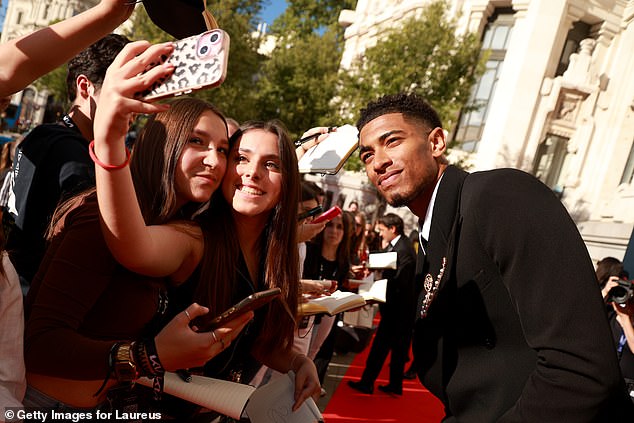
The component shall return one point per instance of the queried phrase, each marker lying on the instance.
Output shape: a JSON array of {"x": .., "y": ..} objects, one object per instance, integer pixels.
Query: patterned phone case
[{"x": 200, "y": 62}]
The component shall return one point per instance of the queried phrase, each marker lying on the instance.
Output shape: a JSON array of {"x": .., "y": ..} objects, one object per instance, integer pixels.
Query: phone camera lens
[
  {"x": 214, "y": 38},
  {"x": 204, "y": 49}
]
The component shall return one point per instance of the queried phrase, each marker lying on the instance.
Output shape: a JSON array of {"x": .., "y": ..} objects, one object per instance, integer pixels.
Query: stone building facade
[
  {"x": 26, "y": 16},
  {"x": 557, "y": 100},
  {"x": 23, "y": 17}
]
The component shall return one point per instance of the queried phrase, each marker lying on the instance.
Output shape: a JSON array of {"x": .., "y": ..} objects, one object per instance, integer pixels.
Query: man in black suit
[
  {"x": 397, "y": 313},
  {"x": 511, "y": 326}
]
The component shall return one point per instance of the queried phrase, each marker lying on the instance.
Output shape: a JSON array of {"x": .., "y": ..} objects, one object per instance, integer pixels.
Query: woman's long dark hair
[
  {"x": 343, "y": 249},
  {"x": 153, "y": 164},
  {"x": 357, "y": 242},
  {"x": 278, "y": 241}
]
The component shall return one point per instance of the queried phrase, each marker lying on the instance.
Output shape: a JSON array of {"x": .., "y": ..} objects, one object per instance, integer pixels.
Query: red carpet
[{"x": 349, "y": 406}]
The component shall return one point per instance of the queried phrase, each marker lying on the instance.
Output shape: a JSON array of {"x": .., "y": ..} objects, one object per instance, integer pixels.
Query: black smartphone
[
  {"x": 249, "y": 303},
  {"x": 308, "y": 213}
]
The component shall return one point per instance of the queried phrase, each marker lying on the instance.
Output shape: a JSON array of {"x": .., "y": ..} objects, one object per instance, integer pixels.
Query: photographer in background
[
  {"x": 609, "y": 271},
  {"x": 618, "y": 293}
]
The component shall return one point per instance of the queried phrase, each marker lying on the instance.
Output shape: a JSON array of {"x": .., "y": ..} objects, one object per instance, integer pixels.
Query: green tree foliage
[
  {"x": 424, "y": 56},
  {"x": 55, "y": 83},
  {"x": 237, "y": 96},
  {"x": 299, "y": 79}
]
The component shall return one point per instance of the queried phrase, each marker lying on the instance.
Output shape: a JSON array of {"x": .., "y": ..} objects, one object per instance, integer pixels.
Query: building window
[
  {"x": 18, "y": 20},
  {"x": 628, "y": 173},
  {"x": 550, "y": 161},
  {"x": 46, "y": 12},
  {"x": 495, "y": 41},
  {"x": 580, "y": 31}
]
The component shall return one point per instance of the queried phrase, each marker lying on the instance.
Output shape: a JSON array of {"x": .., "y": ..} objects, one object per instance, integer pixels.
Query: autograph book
[
  {"x": 382, "y": 260},
  {"x": 340, "y": 301},
  {"x": 271, "y": 403}
]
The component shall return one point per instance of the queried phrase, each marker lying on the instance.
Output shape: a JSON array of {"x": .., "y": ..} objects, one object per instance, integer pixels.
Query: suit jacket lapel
[
  {"x": 439, "y": 259},
  {"x": 444, "y": 216}
]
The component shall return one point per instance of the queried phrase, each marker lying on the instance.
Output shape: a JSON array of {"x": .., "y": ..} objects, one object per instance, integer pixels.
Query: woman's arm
[
  {"x": 157, "y": 250},
  {"x": 27, "y": 58}
]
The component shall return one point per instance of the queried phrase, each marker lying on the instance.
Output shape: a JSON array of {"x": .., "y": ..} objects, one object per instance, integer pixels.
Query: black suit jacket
[
  {"x": 400, "y": 294},
  {"x": 517, "y": 331}
]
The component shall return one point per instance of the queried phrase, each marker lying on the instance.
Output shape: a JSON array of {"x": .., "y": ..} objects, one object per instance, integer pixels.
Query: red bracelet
[{"x": 93, "y": 156}]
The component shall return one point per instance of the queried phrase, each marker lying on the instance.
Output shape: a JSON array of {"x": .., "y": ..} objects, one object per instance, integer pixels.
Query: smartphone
[
  {"x": 329, "y": 214},
  {"x": 249, "y": 303},
  {"x": 200, "y": 62},
  {"x": 308, "y": 213}
]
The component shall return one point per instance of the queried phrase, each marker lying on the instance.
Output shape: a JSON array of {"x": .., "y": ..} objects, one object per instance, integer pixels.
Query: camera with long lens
[{"x": 622, "y": 293}]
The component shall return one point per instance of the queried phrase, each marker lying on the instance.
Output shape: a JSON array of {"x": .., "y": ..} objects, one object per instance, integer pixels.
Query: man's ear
[
  {"x": 85, "y": 88},
  {"x": 438, "y": 141}
]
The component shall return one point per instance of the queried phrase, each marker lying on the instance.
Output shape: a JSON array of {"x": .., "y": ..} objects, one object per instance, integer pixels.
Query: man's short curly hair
[
  {"x": 412, "y": 106},
  {"x": 93, "y": 62}
]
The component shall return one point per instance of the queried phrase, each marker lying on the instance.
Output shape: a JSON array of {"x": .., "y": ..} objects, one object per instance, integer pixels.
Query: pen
[
  {"x": 312, "y": 137},
  {"x": 184, "y": 374}
]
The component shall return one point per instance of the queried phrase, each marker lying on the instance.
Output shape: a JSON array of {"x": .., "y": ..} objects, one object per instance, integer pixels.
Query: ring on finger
[
  {"x": 187, "y": 314},
  {"x": 213, "y": 334}
]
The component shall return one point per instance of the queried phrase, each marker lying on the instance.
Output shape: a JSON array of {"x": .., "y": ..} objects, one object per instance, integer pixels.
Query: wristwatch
[{"x": 124, "y": 367}]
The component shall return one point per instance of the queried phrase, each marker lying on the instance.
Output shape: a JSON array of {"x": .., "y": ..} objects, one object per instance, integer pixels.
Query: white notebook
[
  {"x": 374, "y": 291},
  {"x": 228, "y": 398},
  {"x": 273, "y": 402},
  {"x": 270, "y": 403},
  {"x": 382, "y": 260}
]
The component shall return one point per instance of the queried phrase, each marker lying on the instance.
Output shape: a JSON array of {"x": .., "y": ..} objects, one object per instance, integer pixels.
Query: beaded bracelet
[{"x": 106, "y": 166}]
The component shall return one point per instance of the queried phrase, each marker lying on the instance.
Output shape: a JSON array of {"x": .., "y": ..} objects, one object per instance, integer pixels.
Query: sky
[
  {"x": 272, "y": 9},
  {"x": 3, "y": 11}
]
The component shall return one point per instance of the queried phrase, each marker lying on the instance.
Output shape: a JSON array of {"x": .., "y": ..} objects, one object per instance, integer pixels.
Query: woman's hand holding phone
[
  {"x": 328, "y": 215},
  {"x": 117, "y": 105},
  {"x": 180, "y": 346},
  {"x": 200, "y": 62},
  {"x": 308, "y": 230},
  {"x": 252, "y": 302}
]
